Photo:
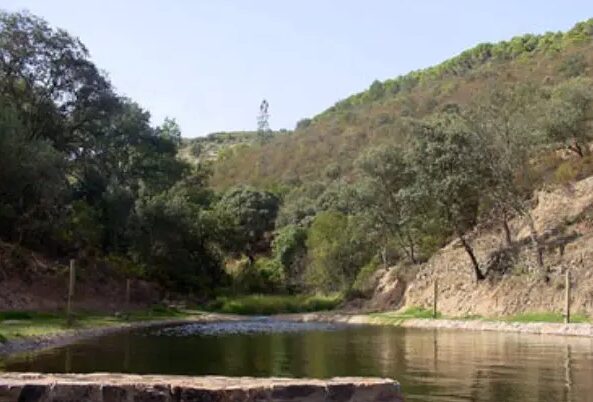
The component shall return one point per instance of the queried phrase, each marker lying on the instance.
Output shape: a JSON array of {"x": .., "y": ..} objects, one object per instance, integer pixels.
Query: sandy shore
[
  {"x": 584, "y": 330},
  {"x": 74, "y": 335}
]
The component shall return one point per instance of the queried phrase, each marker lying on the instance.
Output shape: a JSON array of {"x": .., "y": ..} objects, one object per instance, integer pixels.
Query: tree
[
  {"x": 290, "y": 250},
  {"x": 569, "y": 114},
  {"x": 389, "y": 175},
  {"x": 337, "y": 250},
  {"x": 57, "y": 91},
  {"x": 251, "y": 214},
  {"x": 376, "y": 90},
  {"x": 303, "y": 124},
  {"x": 451, "y": 176},
  {"x": 507, "y": 121},
  {"x": 263, "y": 125},
  {"x": 171, "y": 131},
  {"x": 33, "y": 185},
  {"x": 175, "y": 240}
]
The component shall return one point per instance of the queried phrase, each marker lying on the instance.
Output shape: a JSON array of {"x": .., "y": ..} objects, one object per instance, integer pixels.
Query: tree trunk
[
  {"x": 576, "y": 148},
  {"x": 384, "y": 256},
  {"x": 507, "y": 232},
  {"x": 479, "y": 275},
  {"x": 412, "y": 249},
  {"x": 404, "y": 246},
  {"x": 539, "y": 250}
]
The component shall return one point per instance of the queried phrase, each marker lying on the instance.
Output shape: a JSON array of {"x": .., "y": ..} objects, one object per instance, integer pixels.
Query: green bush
[
  {"x": 15, "y": 315},
  {"x": 265, "y": 275},
  {"x": 337, "y": 249},
  {"x": 267, "y": 305},
  {"x": 363, "y": 285}
]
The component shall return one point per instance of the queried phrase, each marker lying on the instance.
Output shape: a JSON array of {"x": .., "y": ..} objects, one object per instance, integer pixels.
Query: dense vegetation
[
  {"x": 83, "y": 173},
  {"x": 386, "y": 176},
  {"x": 391, "y": 174}
]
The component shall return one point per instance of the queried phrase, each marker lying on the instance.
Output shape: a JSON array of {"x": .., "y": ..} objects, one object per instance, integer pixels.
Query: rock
[{"x": 32, "y": 387}]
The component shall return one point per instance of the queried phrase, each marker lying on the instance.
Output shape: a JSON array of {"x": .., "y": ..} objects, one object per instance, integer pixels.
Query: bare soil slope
[
  {"x": 564, "y": 220},
  {"x": 29, "y": 281}
]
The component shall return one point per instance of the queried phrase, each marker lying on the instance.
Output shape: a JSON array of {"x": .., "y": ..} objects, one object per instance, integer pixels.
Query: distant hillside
[
  {"x": 378, "y": 115},
  {"x": 218, "y": 145}
]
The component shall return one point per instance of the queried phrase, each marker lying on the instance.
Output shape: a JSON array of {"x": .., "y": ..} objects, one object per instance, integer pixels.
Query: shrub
[
  {"x": 565, "y": 173},
  {"x": 267, "y": 305},
  {"x": 364, "y": 284},
  {"x": 290, "y": 249},
  {"x": 265, "y": 275},
  {"x": 15, "y": 315}
]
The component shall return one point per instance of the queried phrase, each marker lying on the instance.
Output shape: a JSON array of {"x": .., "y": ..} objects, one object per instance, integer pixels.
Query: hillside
[
  {"x": 564, "y": 216},
  {"x": 416, "y": 168},
  {"x": 379, "y": 115},
  {"x": 218, "y": 146}
]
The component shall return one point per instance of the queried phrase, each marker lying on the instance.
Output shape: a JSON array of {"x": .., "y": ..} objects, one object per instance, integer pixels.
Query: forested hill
[
  {"x": 334, "y": 138},
  {"x": 384, "y": 178}
]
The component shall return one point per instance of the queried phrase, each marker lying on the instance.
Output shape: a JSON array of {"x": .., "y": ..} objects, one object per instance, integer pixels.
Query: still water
[{"x": 430, "y": 365}]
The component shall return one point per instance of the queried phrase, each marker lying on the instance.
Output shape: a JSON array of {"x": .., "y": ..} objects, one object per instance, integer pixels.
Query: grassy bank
[
  {"x": 271, "y": 304},
  {"x": 15, "y": 325},
  {"x": 397, "y": 317}
]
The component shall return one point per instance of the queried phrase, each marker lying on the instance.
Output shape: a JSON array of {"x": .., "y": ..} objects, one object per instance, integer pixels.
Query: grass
[
  {"x": 272, "y": 304},
  {"x": 21, "y": 324},
  {"x": 546, "y": 317},
  {"x": 397, "y": 317}
]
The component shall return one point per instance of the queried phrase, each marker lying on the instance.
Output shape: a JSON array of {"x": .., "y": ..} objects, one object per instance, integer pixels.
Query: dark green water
[{"x": 430, "y": 365}]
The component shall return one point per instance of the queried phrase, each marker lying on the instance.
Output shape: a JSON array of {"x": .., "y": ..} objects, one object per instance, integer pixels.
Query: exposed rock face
[{"x": 30, "y": 387}]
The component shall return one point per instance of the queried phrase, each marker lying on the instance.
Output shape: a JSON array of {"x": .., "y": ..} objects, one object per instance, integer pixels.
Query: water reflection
[{"x": 431, "y": 365}]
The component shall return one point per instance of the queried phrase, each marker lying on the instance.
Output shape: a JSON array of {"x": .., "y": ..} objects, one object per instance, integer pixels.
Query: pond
[{"x": 430, "y": 365}]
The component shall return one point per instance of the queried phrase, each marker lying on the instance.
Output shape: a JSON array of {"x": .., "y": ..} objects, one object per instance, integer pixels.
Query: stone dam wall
[{"x": 33, "y": 387}]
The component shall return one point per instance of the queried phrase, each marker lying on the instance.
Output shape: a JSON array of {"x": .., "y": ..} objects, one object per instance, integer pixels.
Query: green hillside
[{"x": 378, "y": 115}]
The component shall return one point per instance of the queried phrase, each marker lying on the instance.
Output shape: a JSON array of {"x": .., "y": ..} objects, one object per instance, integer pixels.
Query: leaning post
[
  {"x": 567, "y": 298},
  {"x": 128, "y": 292},
  {"x": 435, "y": 295}
]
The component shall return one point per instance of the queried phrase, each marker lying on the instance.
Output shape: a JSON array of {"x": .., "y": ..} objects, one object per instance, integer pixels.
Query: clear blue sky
[{"x": 209, "y": 63}]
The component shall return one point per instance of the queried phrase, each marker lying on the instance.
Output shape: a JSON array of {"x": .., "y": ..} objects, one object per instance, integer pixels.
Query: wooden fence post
[
  {"x": 128, "y": 291},
  {"x": 71, "y": 284},
  {"x": 567, "y": 298},
  {"x": 435, "y": 297}
]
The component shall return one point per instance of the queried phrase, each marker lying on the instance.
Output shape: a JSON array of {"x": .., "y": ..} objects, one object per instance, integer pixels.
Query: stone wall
[{"x": 30, "y": 387}]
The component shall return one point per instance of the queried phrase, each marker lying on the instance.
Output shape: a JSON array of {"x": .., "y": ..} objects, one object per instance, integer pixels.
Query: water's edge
[{"x": 75, "y": 335}]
